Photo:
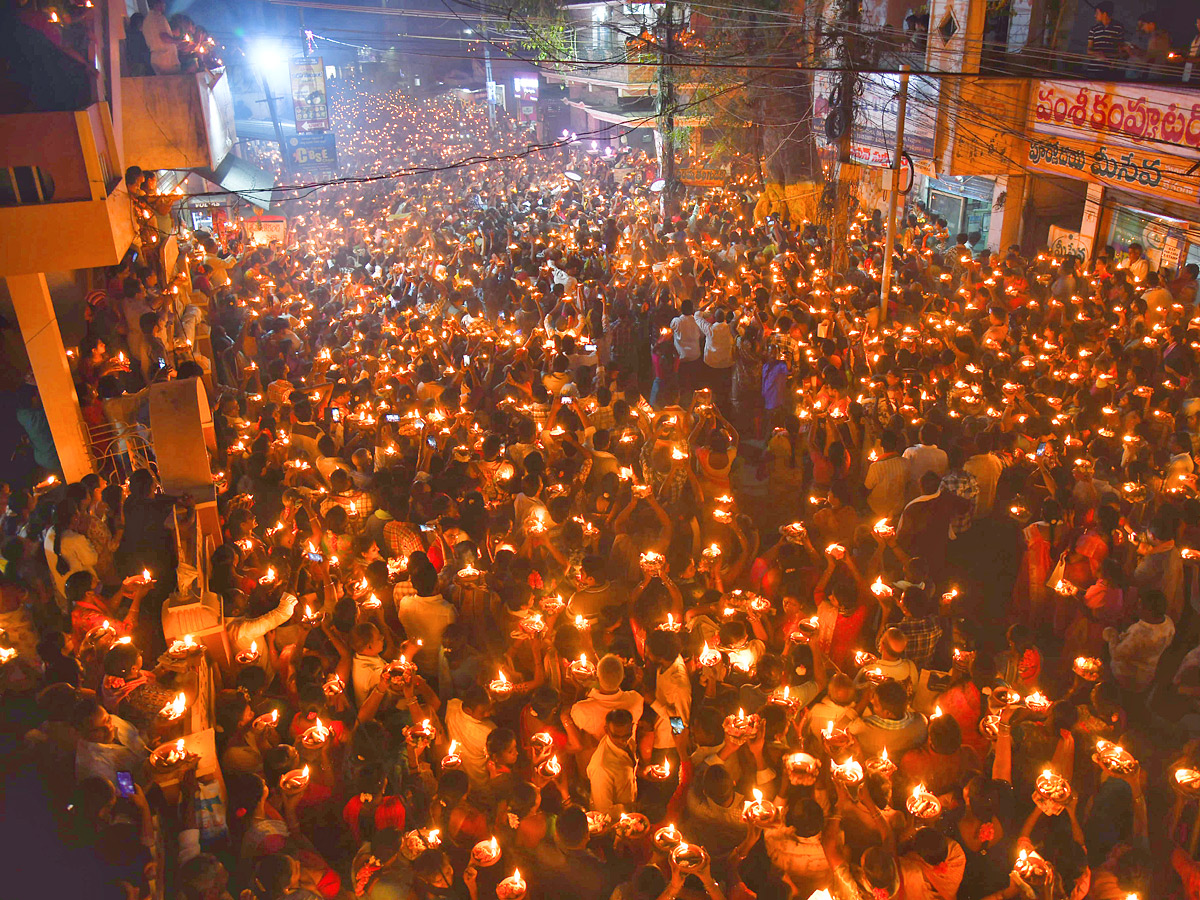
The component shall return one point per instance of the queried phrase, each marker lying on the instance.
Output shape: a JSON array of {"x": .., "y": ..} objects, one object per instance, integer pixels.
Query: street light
[{"x": 267, "y": 57}]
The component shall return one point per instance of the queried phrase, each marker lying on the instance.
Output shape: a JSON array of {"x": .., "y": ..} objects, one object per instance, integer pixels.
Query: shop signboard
[
  {"x": 876, "y": 115},
  {"x": 309, "y": 96},
  {"x": 1121, "y": 114},
  {"x": 703, "y": 177},
  {"x": 264, "y": 229},
  {"x": 1144, "y": 170},
  {"x": 1065, "y": 243}
]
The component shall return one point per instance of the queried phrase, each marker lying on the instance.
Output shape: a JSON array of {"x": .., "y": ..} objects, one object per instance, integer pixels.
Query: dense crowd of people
[{"x": 571, "y": 550}]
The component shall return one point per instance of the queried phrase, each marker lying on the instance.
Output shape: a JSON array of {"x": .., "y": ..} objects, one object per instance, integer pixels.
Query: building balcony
[
  {"x": 63, "y": 203},
  {"x": 180, "y": 121}
]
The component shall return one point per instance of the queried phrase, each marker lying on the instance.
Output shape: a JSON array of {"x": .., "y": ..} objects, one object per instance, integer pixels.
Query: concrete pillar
[
  {"x": 1089, "y": 227},
  {"x": 48, "y": 357},
  {"x": 1006, "y": 224}
]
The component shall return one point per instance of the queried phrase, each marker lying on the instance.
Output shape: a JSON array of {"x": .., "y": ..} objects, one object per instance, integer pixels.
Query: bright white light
[{"x": 268, "y": 56}]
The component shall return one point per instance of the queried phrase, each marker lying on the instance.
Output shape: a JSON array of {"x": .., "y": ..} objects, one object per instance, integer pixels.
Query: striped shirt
[
  {"x": 887, "y": 481},
  {"x": 1106, "y": 40}
]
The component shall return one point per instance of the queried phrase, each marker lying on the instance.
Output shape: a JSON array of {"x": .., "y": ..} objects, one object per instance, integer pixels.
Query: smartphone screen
[
  {"x": 125, "y": 784},
  {"x": 314, "y": 557},
  {"x": 466, "y": 360},
  {"x": 335, "y": 414},
  {"x": 676, "y": 725},
  {"x": 1041, "y": 448},
  {"x": 392, "y": 417}
]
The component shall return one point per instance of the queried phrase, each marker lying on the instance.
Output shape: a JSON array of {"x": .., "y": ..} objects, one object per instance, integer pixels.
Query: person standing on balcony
[
  {"x": 1193, "y": 56},
  {"x": 1106, "y": 41},
  {"x": 163, "y": 44}
]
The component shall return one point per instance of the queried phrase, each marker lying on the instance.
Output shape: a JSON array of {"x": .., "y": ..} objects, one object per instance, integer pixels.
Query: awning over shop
[{"x": 245, "y": 179}]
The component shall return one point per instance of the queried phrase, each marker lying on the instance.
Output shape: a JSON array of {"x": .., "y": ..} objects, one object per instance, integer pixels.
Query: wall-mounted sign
[
  {"x": 313, "y": 151},
  {"x": 309, "y": 95},
  {"x": 1144, "y": 170}
]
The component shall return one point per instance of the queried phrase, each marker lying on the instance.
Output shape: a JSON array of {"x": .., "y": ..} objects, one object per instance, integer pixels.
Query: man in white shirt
[
  {"x": 612, "y": 771},
  {"x": 689, "y": 340},
  {"x": 424, "y": 615},
  {"x": 986, "y": 467},
  {"x": 590, "y": 712},
  {"x": 672, "y": 687},
  {"x": 164, "y": 53},
  {"x": 243, "y": 630},
  {"x": 467, "y": 722},
  {"x": 925, "y": 456},
  {"x": 718, "y": 353},
  {"x": 107, "y": 744}
]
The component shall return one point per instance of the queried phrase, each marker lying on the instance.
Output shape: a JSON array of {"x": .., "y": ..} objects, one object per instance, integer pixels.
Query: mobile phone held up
[{"x": 125, "y": 784}]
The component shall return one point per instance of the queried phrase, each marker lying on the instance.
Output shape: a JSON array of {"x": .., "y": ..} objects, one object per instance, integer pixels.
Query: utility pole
[
  {"x": 893, "y": 197},
  {"x": 840, "y": 226},
  {"x": 489, "y": 84},
  {"x": 666, "y": 111},
  {"x": 274, "y": 110}
]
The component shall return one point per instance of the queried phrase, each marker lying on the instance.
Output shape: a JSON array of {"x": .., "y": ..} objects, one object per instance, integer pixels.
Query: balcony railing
[
  {"x": 63, "y": 203},
  {"x": 180, "y": 121}
]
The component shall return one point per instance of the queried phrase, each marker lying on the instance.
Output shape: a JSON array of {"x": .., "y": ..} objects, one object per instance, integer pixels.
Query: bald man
[
  {"x": 892, "y": 662},
  {"x": 837, "y": 706}
]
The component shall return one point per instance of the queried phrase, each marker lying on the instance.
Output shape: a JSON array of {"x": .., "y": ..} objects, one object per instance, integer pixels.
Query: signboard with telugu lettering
[
  {"x": 1065, "y": 243},
  {"x": 1143, "y": 170}
]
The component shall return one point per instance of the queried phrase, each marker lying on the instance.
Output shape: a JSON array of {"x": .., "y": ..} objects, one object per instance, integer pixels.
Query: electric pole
[
  {"x": 847, "y": 86},
  {"x": 489, "y": 85},
  {"x": 885, "y": 290},
  {"x": 666, "y": 111}
]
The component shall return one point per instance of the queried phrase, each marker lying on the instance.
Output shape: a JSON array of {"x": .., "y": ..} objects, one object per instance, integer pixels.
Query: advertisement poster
[
  {"x": 1065, "y": 243},
  {"x": 308, "y": 94},
  {"x": 307, "y": 152}
]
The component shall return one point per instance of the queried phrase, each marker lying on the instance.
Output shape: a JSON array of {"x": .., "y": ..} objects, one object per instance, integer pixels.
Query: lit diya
[
  {"x": 740, "y": 726},
  {"x": 295, "y": 780},
  {"x": 266, "y": 720},
  {"x": 1087, "y": 667},
  {"x": 631, "y": 825},
  {"x": 371, "y": 602},
  {"x": 551, "y": 768},
  {"x": 667, "y": 838},
  {"x": 311, "y": 618},
  {"x": 1065, "y": 588},
  {"x": 247, "y": 657},
  {"x": 581, "y": 623},
  {"x": 709, "y": 656},
  {"x": 689, "y": 857},
  {"x": 486, "y": 853},
  {"x": 659, "y": 771},
  {"x": 834, "y": 738},
  {"x": 1033, "y": 868},
  {"x": 1186, "y": 782},
  {"x": 468, "y": 574},
  {"x": 711, "y": 554},
  {"x": 401, "y": 669},
  {"x": 1039, "y": 703},
  {"x": 551, "y": 604},
  {"x": 582, "y": 667},
  {"x": 175, "y": 709},
  {"x": 168, "y": 756},
  {"x": 923, "y": 804},
  {"x": 875, "y": 675},
  {"x": 99, "y": 633},
  {"x": 511, "y": 888},
  {"x": 333, "y": 686},
  {"x": 723, "y": 516},
  {"x": 316, "y": 736},
  {"x": 532, "y": 625},
  {"x": 806, "y": 629},
  {"x": 1051, "y": 792},
  {"x": 452, "y": 759},
  {"x": 848, "y": 773},
  {"x": 144, "y": 578},
  {"x": 794, "y": 533},
  {"x": 758, "y": 811},
  {"x": 1006, "y": 697},
  {"x": 801, "y": 765},
  {"x": 783, "y": 696},
  {"x": 881, "y": 590},
  {"x": 881, "y": 764},
  {"x": 541, "y": 745},
  {"x": 419, "y": 732},
  {"x": 268, "y": 578},
  {"x": 651, "y": 561},
  {"x": 181, "y": 649},
  {"x": 500, "y": 687},
  {"x": 1114, "y": 759},
  {"x": 598, "y": 822},
  {"x": 883, "y": 529},
  {"x": 963, "y": 658},
  {"x": 670, "y": 625}
]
